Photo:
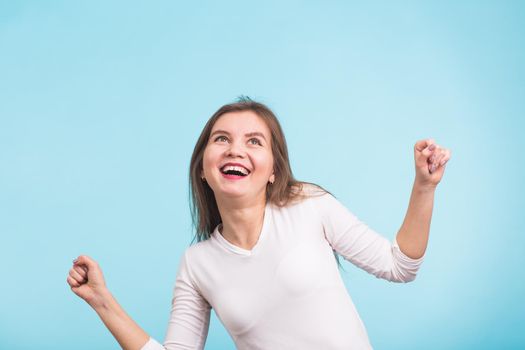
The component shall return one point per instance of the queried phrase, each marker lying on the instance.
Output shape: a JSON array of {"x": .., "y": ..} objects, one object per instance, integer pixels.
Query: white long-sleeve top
[{"x": 287, "y": 292}]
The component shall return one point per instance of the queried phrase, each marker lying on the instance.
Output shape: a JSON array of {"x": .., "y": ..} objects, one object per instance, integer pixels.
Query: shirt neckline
[{"x": 241, "y": 251}]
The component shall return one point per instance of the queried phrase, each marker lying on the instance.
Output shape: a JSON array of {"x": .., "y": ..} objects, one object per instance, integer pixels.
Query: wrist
[
  {"x": 424, "y": 187},
  {"x": 100, "y": 300}
]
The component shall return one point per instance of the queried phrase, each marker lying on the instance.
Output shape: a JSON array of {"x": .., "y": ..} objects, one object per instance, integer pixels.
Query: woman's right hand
[{"x": 86, "y": 280}]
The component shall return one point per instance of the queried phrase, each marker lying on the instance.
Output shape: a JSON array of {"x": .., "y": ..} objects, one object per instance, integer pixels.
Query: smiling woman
[
  {"x": 264, "y": 256},
  {"x": 246, "y": 137},
  {"x": 236, "y": 154}
]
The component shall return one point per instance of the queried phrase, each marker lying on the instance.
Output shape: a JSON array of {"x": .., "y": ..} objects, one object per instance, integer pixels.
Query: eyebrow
[{"x": 250, "y": 134}]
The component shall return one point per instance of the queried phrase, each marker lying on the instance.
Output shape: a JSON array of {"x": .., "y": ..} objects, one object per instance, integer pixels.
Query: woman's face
[{"x": 238, "y": 159}]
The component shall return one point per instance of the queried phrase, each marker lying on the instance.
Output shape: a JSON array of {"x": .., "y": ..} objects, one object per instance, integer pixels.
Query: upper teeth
[{"x": 237, "y": 168}]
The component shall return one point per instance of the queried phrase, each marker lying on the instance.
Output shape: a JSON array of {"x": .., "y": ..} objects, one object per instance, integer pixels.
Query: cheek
[
  {"x": 207, "y": 160},
  {"x": 264, "y": 163}
]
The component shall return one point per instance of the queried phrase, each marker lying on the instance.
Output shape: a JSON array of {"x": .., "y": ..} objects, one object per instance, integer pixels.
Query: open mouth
[{"x": 235, "y": 171}]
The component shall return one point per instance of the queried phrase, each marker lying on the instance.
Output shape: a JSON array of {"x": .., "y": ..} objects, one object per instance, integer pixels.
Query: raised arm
[
  {"x": 430, "y": 161},
  {"x": 190, "y": 313},
  {"x": 399, "y": 260},
  {"x": 87, "y": 281}
]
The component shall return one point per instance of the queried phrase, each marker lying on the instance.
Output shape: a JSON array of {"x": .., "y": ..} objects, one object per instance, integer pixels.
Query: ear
[{"x": 272, "y": 179}]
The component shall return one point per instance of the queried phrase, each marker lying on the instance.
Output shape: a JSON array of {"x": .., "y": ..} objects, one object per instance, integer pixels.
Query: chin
[{"x": 234, "y": 190}]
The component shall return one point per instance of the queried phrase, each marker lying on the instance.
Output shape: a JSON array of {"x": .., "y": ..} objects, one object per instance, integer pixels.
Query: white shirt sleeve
[
  {"x": 190, "y": 315},
  {"x": 361, "y": 245}
]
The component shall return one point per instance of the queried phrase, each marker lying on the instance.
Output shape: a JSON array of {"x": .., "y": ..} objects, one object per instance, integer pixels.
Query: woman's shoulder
[
  {"x": 200, "y": 249},
  {"x": 309, "y": 189},
  {"x": 303, "y": 192},
  {"x": 318, "y": 197}
]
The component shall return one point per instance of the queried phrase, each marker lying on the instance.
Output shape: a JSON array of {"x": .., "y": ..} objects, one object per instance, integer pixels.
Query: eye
[
  {"x": 257, "y": 142},
  {"x": 220, "y": 138}
]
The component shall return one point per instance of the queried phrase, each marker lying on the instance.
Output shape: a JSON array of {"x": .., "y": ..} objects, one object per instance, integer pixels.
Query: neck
[{"x": 241, "y": 223}]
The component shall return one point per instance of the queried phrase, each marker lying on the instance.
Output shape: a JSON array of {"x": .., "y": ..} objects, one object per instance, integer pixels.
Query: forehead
[{"x": 241, "y": 122}]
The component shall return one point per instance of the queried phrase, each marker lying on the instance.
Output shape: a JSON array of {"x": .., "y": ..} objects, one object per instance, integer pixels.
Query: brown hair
[{"x": 285, "y": 189}]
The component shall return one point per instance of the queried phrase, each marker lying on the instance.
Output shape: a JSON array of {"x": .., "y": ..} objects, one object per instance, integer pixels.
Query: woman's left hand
[{"x": 431, "y": 160}]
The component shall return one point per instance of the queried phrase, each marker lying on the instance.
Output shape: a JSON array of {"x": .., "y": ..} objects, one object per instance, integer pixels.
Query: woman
[{"x": 264, "y": 259}]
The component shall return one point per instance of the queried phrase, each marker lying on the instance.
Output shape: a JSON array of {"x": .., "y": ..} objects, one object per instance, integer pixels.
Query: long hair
[{"x": 285, "y": 189}]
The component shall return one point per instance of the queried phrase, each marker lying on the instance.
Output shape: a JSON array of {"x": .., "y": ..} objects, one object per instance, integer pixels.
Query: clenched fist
[
  {"x": 86, "y": 280},
  {"x": 430, "y": 159}
]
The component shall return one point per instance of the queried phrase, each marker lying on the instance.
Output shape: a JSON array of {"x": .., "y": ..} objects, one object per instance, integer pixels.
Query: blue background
[{"x": 101, "y": 103}]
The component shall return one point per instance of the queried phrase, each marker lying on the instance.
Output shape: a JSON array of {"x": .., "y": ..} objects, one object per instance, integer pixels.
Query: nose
[{"x": 235, "y": 150}]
